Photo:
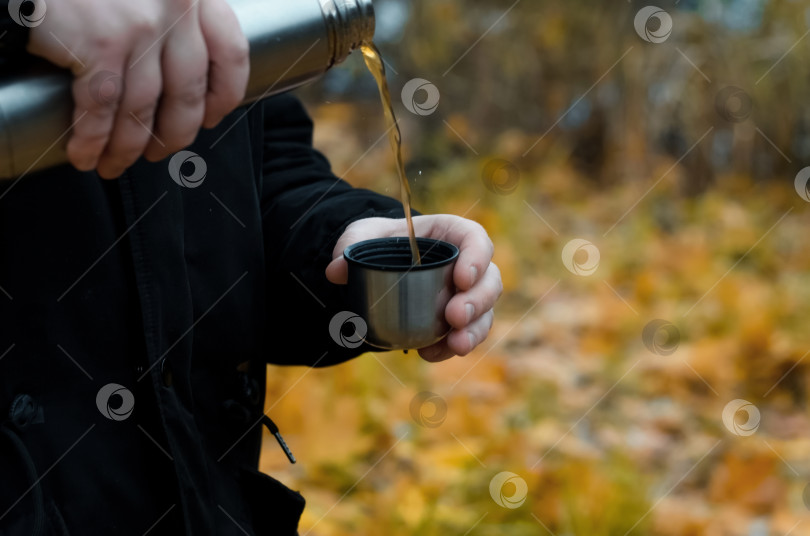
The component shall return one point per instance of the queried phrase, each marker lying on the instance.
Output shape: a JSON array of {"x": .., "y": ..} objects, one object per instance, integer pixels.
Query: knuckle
[
  {"x": 238, "y": 51},
  {"x": 145, "y": 25},
  {"x": 144, "y": 114},
  {"x": 145, "y": 92},
  {"x": 193, "y": 94},
  {"x": 99, "y": 108},
  {"x": 93, "y": 139},
  {"x": 478, "y": 227},
  {"x": 101, "y": 90},
  {"x": 106, "y": 42}
]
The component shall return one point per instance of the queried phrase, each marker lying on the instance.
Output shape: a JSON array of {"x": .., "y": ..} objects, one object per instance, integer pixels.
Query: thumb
[{"x": 337, "y": 271}]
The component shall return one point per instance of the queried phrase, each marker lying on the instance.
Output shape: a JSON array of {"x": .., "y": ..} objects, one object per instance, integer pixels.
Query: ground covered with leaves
[{"x": 613, "y": 432}]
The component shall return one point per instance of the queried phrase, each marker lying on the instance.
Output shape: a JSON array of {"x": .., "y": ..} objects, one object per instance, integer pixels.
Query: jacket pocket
[{"x": 275, "y": 509}]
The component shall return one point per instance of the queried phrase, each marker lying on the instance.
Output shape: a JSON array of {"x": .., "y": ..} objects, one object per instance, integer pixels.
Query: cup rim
[{"x": 425, "y": 244}]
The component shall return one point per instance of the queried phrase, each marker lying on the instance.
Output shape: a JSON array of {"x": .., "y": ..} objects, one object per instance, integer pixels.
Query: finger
[
  {"x": 462, "y": 341},
  {"x": 133, "y": 126},
  {"x": 466, "y": 306},
  {"x": 436, "y": 352},
  {"x": 185, "y": 83},
  {"x": 459, "y": 342},
  {"x": 337, "y": 271},
  {"x": 475, "y": 247},
  {"x": 96, "y": 95},
  {"x": 228, "y": 58}
]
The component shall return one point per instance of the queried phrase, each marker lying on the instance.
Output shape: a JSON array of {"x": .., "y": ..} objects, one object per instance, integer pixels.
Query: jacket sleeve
[
  {"x": 13, "y": 40},
  {"x": 305, "y": 209}
]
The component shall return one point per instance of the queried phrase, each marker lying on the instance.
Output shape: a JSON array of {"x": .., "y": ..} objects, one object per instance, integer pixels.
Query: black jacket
[{"x": 180, "y": 296}]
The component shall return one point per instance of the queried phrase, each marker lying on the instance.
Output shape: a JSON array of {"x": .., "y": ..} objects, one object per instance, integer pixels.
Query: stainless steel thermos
[{"x": 291, "y": 43}]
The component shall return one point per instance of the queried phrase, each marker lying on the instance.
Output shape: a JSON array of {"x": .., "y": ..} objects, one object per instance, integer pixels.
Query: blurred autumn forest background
[{"x": 604, "y": 382}]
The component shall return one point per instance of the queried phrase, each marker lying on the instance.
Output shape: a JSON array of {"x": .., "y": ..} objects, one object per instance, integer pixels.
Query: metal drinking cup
[{"x": 403, "y": 305}]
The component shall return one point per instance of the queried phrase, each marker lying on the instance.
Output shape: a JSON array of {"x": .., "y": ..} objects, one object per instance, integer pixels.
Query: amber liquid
[{"x": 375, "y": 64}]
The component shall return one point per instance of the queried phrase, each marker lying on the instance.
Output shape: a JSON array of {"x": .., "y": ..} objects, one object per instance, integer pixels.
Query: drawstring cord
[
  {"x": 242, "y": 413},
  {"x": 268, "y": 422}
]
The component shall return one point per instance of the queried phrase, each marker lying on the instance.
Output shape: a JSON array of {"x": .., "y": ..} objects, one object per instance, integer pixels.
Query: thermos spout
[{"x": 291, "y": 43}]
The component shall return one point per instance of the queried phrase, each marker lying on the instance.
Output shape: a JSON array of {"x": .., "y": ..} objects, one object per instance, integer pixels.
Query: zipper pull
[{"x": 268, "y": 422}]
